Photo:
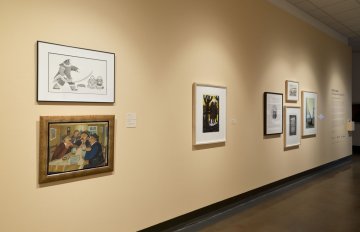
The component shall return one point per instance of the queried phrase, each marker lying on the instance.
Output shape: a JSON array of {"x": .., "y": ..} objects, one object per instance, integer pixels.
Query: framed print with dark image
[
  {"x": 292, "y": 126},
  {"x": 69, "y": 146},
  {"x": 273, "y": 113},
  {"x": 292, "y": 91},
  {"x": 71, "y": 74},
  {"x": 309, "y": 113},
  {"x": 209, "y": 114}
]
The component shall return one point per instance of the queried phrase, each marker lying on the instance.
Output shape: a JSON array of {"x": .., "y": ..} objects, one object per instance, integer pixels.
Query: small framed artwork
[
  {"x": 209, "y": 114},
  {"x": 74, "y": 150},
  {"x": 70, "y": 74},
  {"x": 292, "y": 91},
  {"x": 273, "y": 113},
  {"x": 292, "y": 126},
  {"x": 309, "y": 113}
]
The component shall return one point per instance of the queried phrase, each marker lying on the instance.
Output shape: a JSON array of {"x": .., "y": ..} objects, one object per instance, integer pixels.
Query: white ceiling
[{"x": 341, "y": 15}]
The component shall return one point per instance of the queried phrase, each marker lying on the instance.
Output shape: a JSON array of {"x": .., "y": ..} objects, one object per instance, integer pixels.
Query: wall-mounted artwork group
[
  {"x": 299, "y": 121},
  {"x": 74, "y": 146}
]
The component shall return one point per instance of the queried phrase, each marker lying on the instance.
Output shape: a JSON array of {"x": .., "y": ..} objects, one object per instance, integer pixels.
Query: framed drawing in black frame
[
  {"x": 273, "y": 113},
  {"x": 71, "y": 74},
  {"x": 75, "y": 146}
]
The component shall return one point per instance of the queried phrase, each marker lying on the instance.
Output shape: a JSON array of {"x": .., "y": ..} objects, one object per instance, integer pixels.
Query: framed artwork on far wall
[
  {"x": 71, "y": 74},
  {"x": 292, "y": 91},
  {"x": 69, "y": 149},
  {"x": 273, "y": 113},
  {"x": 292, "y": 126},
  {"x": 209, "y": 114},
  {"x": 309, "y": 113}
]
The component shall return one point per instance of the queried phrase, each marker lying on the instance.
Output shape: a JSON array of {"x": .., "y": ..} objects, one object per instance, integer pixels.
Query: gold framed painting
[{"x": 75, "y": 146}]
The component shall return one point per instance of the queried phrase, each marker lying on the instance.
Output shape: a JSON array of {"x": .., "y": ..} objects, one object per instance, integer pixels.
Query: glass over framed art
[
  {"x": 292, "y": 91},
  {"x": 292, "y": 126},
  {"x": 273, "y": 113},
  {"x": 74, "y": 146},
  {"x": 209, "y": 114},
  {"x": 70, "y": 74},
  {"x": 309, "y": 113}
]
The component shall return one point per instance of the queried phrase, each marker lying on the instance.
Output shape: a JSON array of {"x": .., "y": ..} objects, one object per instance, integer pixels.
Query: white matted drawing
[
  {"x": 209, "y": 114},
  {"x": 75, "y": 74},
  {"x": 309, "y": 113},
  {"x": 292, "y": 91},
  {"x": 273, "y": 113},
  {"x": 292, "y": 126}
]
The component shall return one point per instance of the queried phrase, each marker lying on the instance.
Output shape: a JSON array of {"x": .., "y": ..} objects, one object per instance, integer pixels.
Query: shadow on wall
[
  {"x": 207, "y": 146},
  {"x": 291, "y": 148},
  {"x": 271, "y": 136}
]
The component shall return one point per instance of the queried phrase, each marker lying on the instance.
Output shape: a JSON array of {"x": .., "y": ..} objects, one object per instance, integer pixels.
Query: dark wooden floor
[{"x": 326, "y": 202}]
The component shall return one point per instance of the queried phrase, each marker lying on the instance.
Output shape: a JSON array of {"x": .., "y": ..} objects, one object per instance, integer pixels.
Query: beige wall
[{"x": 161, "y": 48}]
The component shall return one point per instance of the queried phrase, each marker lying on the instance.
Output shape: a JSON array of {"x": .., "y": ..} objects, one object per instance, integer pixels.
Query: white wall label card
[{"x": 131, "y": 120}]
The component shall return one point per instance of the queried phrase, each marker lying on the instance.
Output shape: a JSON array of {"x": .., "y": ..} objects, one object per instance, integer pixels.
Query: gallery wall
[{"x": 162, "y": 47}]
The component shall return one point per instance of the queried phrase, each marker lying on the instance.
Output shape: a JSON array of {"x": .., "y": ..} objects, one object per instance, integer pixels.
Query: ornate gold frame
[{"x": 45, "y": 121}]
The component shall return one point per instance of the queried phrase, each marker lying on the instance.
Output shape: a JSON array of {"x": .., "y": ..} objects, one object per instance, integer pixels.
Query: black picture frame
[
  {"x": 72, "y": 74},
  {"x": 273, "y": 113}
]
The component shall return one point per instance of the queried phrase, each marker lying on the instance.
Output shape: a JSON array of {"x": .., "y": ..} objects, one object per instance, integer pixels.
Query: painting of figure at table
[{"x": 77, "y": 146}]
